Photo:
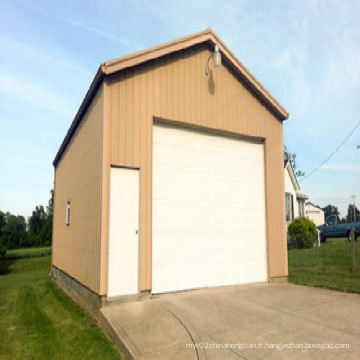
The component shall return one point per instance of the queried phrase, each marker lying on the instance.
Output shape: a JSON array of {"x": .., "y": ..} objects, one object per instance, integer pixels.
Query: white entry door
[
  {"x": 123, "y": 232},
  {"x": 208, "y": 210}
]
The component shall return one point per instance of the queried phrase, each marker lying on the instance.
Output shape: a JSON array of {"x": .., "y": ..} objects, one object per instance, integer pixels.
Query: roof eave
[
  {"x": 301, "y": 196},
  {"x": 155, "y": 52},
  {"x": 292, "y": 176},
  {"x": 251, "y": 80},
  {"x": 207, "y": 35},
  {"x": 83, "y": 107}
]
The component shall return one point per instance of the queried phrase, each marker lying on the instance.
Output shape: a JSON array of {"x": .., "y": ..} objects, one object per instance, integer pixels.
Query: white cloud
[
  {"x": 306, "y": 53},
  {"x": 36, "y": 94},
  {"x": 94, "y": 30},
  {"x": 46, "y": 57},
  {"x": 340, "y": 167},
  {"x": 81, "y": 25}
]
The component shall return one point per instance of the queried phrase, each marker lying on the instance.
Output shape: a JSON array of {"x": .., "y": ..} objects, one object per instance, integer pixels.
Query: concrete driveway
[{"x": 262, "y": 321}]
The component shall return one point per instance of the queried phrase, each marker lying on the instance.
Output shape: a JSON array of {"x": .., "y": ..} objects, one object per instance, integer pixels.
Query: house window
[
  {"x": 289, "y": 202},
  {"x": 68, "y": 212}
]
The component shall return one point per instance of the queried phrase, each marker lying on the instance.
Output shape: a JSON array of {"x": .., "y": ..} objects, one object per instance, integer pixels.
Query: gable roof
[
  {"x": 309, "y": 203},
  {"x": 208, "y": 36},
  {"x": 137, "y": 58},
  {"x": 289, "y": 168}
]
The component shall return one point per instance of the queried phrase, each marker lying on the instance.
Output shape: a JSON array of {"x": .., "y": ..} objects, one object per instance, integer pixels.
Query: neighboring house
[
  {"x": 294, "y": 199},
  {"x": 315, "y": 213},
  {"x": 170, "y": 179}
]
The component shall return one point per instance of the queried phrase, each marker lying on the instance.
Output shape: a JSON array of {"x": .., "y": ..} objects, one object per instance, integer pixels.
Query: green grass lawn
[
  {"x": 27, "y": 253},
  {"x": 326, "y": 266},
  {"x": 38, "y": 322}
]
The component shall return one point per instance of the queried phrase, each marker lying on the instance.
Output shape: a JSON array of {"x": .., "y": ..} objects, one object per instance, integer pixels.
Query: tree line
[
  {"x": 351, "y": 215},
  {"x": 17, "y": 232}
]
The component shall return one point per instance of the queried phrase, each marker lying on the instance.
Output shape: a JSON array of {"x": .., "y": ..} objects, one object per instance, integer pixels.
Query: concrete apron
[{"x": 228, "y": 322}]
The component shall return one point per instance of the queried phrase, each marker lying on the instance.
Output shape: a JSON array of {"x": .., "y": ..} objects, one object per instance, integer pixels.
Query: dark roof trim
[
  {"x": 159, "y": 51},
  {"x": 314, "y": 205},
  {"x": 78, "y": 117},
  {"x": 301, "y": 196}
]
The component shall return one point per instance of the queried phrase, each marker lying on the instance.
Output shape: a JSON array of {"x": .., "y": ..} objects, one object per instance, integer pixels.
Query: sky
[{"x": 306, "y": 53}]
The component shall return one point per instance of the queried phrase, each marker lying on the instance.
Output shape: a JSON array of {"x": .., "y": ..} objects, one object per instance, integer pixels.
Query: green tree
[
  {"x": 3, "y": 247},
  {"x": 36, "y": 224},
  {"x": 47, "y": 230},
  {"x": 330, "y": 210},
  {"x": 50, "y": 206},
  {"x": 14, "y": 232},
  {"x": 292, "y": 158},
  {"x": 2, "y": 221},
  {"x": 40, "y": 224},
  {"x": 350, "y": 213}
]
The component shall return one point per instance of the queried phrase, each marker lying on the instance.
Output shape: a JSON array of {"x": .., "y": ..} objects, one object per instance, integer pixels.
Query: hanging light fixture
[{"x": 216, "y": 56}]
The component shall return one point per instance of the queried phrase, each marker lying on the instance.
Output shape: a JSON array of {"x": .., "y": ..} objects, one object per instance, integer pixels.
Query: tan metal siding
[
  {"x": 176, "y": 88},
  {"x": 105, "y": 200},
  {"x": 207, "y": 36},
  {"x": 77, "y": 247}
]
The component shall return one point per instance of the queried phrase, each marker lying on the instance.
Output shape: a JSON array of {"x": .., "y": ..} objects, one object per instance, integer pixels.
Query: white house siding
[
  {"x": 315, "y": 214},
  {"x": 289, "y": 188}
]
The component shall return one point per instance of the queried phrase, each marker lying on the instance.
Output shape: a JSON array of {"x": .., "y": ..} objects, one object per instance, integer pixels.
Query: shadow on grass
[{"x": 5, "y": 266}]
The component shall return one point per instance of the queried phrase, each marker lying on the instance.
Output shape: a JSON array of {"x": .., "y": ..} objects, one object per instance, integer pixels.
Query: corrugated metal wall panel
[
  {"x": 175, "y": 88},
  {"x": 77, "y": 247}
]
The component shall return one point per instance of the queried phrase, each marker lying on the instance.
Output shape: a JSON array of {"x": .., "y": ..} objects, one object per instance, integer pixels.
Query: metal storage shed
[{"x": 170, "y": 179}]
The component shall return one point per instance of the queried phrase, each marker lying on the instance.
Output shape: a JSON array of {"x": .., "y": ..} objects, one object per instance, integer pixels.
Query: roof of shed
[{"x": 137, "y": 58}]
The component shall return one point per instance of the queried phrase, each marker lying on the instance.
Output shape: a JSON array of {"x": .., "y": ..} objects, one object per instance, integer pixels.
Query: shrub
[
  {"x": 302, "y": 232},
  {"x": 3, "y": 248}
]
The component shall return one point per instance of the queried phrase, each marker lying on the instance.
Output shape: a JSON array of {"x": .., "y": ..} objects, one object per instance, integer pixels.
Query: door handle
[{"x": 136, "y": 231}]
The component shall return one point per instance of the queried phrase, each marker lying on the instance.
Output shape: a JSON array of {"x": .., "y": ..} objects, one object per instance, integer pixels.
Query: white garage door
[{"x": 208, "y": 210}]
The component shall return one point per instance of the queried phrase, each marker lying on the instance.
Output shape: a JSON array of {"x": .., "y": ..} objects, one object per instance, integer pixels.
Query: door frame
[{"x": 120, "y": 166}]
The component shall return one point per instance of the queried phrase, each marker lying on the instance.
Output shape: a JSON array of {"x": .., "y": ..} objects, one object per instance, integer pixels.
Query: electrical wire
[{"x": 331, "y": 155}]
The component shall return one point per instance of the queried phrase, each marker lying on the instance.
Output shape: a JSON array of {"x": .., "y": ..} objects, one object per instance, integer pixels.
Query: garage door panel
[{"x": 208, "y": 210}]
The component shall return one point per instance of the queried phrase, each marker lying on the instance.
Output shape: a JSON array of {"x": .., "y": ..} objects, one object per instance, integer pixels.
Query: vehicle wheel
[
  {"x": 348, "y": 235},
  {"x": 322, "y": 238}
]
